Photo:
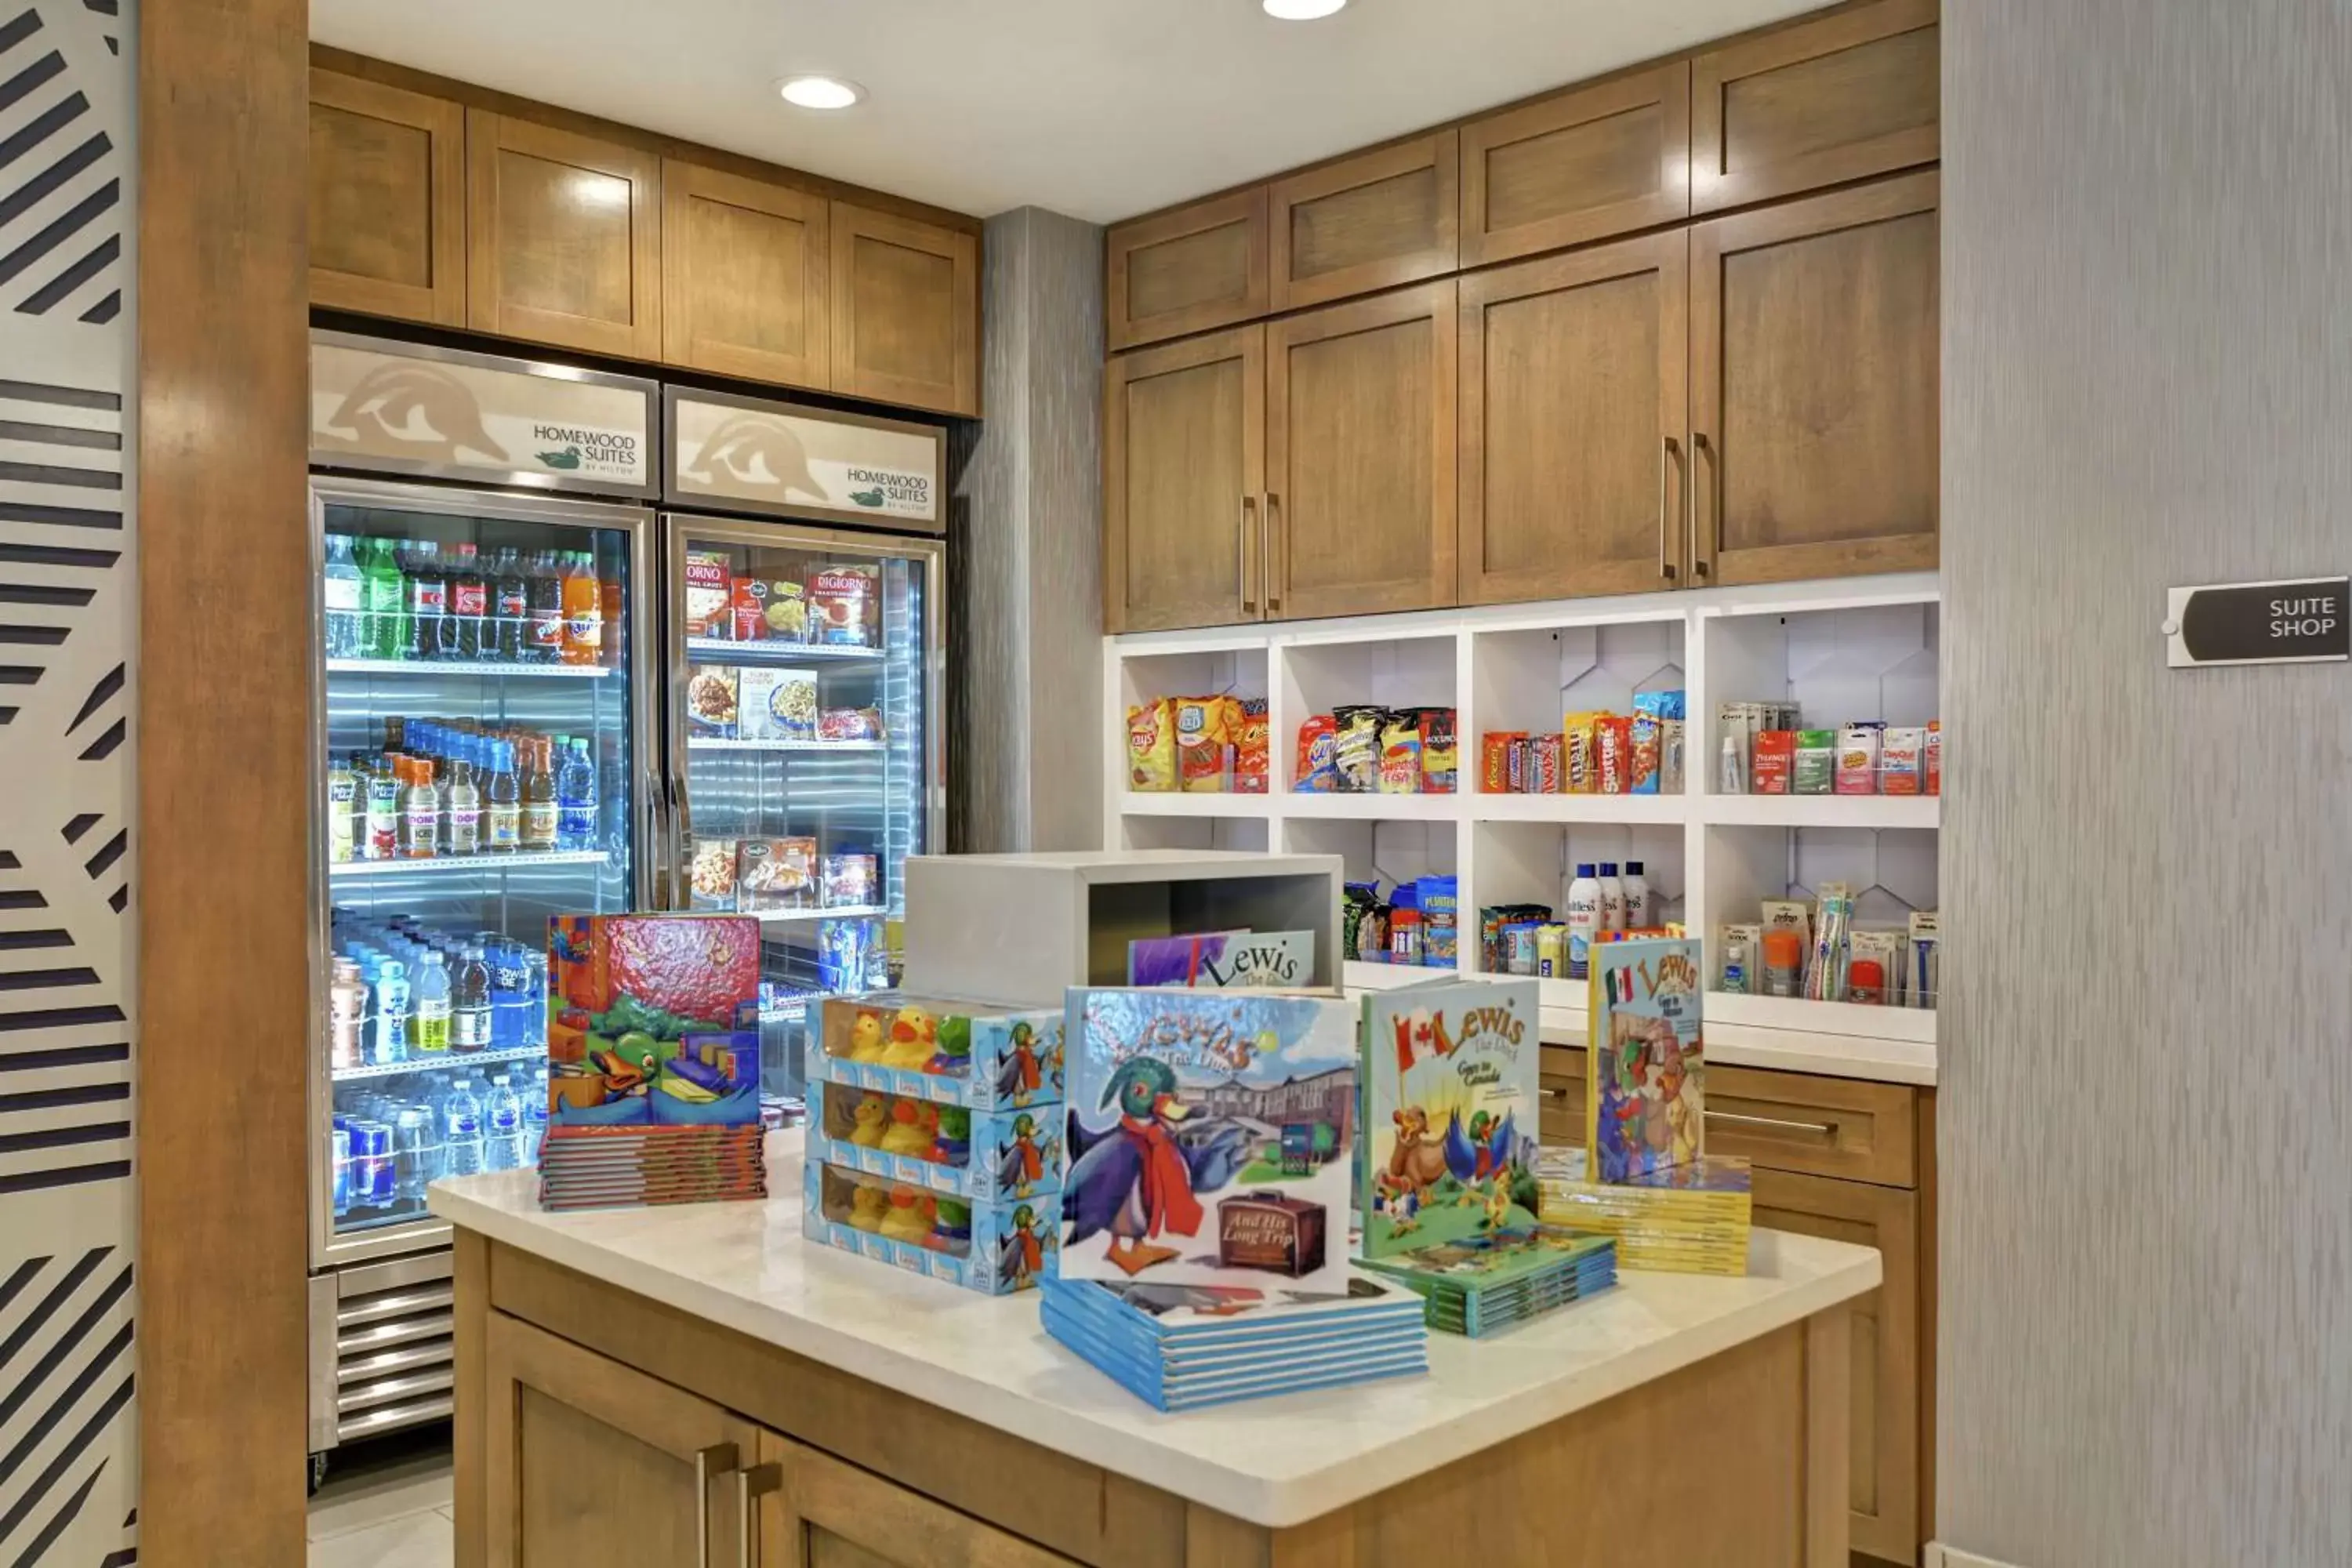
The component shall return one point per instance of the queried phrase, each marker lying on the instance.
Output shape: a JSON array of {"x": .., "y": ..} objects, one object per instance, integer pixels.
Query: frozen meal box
[
  {"x": 709, "y": 585},
  {"x": 710, "y": 700},
  {"x": 775, "y": 704}
]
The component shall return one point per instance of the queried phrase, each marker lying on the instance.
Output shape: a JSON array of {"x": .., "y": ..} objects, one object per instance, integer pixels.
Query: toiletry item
[
  {"x": 1583, "y": 919},
  {"x": 1733, "y": 777},
  {"x": 1899, "y": 758},
  {"x": 1670, "y": 756},
  {"x": 1857, "y": 759},
  {"x": 1816, "y": 762},
  {"x": 1612, "y": 897},
  {"x": 1932, "y": 757},
  {"x": 1784, "y": 959},
  {"x": 1789, "y": 914},
  {"x": 1641, "y": 903},
  {"x": 1865, "y": 981},
  {"x": 1921, "y": 976},
  {"x": 1884, "y": 948},
  {"x": 1825, "y": 969},
  {"x": 1776, "y": 759},
  {"x": 1735, "y": 969}
]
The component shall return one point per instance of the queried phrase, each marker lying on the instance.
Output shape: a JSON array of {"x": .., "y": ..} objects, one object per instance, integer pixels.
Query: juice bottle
[
  {"x": 609, "y": 596},
  {"x": 346, "y": 1002},
  {"x": 420, "y": 812},
  {"x": 503, "y": 817},
  {"x": 470, "y": 1008},
  {"x": 342, "y": 784},
  {"x": 383, "y": 601},
  {"x": 461, "y": 808},
  {"x": 539, "y": 809},
  {"x": 383, "y": 808},
  {"x": 544, "y": 592},
  {"x": 584, "y": 611}
]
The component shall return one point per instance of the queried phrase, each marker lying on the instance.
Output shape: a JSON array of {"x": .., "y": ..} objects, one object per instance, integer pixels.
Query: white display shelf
[
  {"x": 840, "y": 912},
  {"x": 780, "y": 652},
  {"x": 468, "y": 667},
  {"x": 1357, "y": 975},
  {"x": 1667, "y": 808},
  {"x": 1372, "y": 808},
  {"x": 440, "y": 1061},
  {"x": 452, "y": 865},
  {"x": 1162, "y": 803},
  {"x": 715, "y": 745},
  {"x": 1871, "y": 811},
  {"x": 1913, "y": 1026}
]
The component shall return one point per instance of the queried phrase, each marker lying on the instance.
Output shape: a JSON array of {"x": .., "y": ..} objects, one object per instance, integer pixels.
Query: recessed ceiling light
[
  {"x": 822, "y": 92},
  {"x": 1301, "y": 10}
]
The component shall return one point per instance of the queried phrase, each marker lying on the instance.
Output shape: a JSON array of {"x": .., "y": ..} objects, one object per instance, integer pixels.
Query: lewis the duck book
[
  {"x": 1209, "y": 1139},
  {"x": 1450, "y": 1112},
  {"x": 1644, "y": 1106}
]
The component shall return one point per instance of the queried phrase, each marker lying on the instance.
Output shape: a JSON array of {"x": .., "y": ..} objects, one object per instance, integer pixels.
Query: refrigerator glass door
[
  {"x": 484, "y": 729},
  {"x": 806, "y": 681}
]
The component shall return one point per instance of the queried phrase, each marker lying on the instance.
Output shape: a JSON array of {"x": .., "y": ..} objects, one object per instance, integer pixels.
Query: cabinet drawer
[
  {"x": 1814, "y": 1126},
  {"x": 1190, "y": 270},
  {"x": 1369, "y": 222}
]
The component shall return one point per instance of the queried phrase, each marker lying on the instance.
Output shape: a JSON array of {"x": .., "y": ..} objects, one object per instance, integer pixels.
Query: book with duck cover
[
  {"x": 1228, "y": 960},
  {"x": 1645, "y": 1104},
  {"x": 1209, "y": 1136}
]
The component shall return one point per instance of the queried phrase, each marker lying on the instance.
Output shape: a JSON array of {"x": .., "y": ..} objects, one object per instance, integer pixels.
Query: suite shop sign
[
  {"x": 2297, "y": 621},
  {"x": 785, "y": 459}
]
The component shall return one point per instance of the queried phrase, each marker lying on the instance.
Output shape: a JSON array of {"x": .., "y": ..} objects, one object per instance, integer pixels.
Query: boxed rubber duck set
[{"x": 933, "y": 1138}]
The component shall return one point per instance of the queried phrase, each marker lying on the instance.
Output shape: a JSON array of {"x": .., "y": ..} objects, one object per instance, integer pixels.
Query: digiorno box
[{"x": 708, "y": 589}]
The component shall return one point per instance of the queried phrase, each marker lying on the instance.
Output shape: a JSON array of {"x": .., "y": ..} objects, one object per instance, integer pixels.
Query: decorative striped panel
[{"x": 67, "y": 610}]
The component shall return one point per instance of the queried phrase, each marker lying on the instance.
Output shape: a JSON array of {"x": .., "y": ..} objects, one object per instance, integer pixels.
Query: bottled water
[
  {"x": 432, "y": 1004},
  {"x": 346, "y": 631},
  {"x": 461, "y": 1129},
  {"x": 534, "y": 1116},
  {"x": 507, "y": 1131},
  {"x": 575, "y": 799},
  {"x": 534, "y": 1018}
]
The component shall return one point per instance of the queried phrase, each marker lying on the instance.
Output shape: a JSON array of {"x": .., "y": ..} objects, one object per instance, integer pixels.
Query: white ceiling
[{"x": 1100, "y": 109}]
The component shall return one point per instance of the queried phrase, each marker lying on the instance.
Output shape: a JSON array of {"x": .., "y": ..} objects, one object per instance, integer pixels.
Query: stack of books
[
  {"x": 1181, "y": 1347},
  {"x": 1483, "y": 1285},
  {"x": 1684, "y": 1219},
  {"x": 607, "y": 1167}
]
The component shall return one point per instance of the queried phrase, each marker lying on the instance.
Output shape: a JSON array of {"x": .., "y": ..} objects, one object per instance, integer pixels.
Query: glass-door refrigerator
[{"x": 486, "y": 749}]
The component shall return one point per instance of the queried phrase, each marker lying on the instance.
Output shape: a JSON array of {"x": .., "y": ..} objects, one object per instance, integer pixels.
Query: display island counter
[{"x": 700, "y": 1385}]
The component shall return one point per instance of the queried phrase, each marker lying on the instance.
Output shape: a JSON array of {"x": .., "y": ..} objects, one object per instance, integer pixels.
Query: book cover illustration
[
  {"x": 1220, "y": 960},
  {"x": 1450, "y": 1112},
  {"x": 1209, "y": 1137},
  {"x": 653, "y": 1021},
  {"x": 1645, "y": 1110}
]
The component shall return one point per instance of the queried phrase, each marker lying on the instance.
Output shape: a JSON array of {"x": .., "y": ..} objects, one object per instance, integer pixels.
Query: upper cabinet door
[
  {"x": 906, "y": 312},
  {"x": 1841, "y": 98},
  {"x": 1578, "y": 166},
  {"x": 565, "y": 242},
  {"x": 1184, "y": 476},
  {"x": 743, "y": 276},
  {"x": 1359, "y": 456},
  {"x": 1814, "y": 393},
  {"x": 387, "y": 201},
  {"x": 1573, "y": 463},
  {"x": 1191, "y": 271},
  {"x": 1366, "y": 223}
]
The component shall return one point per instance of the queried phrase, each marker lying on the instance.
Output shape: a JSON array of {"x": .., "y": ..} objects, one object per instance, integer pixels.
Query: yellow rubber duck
[
  {"x": 868, "y": 1206},
  {"x": 906, "y": 1134},
  {"x": 867, "y": 1120},
  {"x": 908, "y": 1219},
  {"x": 914, "y": 1036},
  {"x": 866, "y": 1037}
]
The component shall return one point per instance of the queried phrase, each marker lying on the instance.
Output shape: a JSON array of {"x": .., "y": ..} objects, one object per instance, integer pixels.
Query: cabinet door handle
[
  {"x": 749, "y": 1487},
  {"x": 710, "y": 1464},
  {"x": 1277, "y": 552},
  {"x": 1241, "y": 553},
  {"x": 1702, "y": 563},
  {"x": 1666, "y": 551},
  {"x": 1825, "y": 1130}
]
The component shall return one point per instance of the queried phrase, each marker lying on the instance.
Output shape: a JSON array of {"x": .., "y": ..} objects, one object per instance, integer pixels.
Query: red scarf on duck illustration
[{"x": 1166, "y": 1179}]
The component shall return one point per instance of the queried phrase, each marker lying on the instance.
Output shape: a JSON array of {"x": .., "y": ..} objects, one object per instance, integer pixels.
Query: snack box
[
  {"x": 950, "y": 1053},
  {"x": 988, "y": 1156},
  {"x": 995, "y": 1248}
]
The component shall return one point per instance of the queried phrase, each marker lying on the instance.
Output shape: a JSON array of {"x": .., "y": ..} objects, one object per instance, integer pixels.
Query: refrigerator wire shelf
[
  {"x": 468, "y": 667},
  {"x": 438, "y": 1061},
  {"x": 450, "y": 864}
]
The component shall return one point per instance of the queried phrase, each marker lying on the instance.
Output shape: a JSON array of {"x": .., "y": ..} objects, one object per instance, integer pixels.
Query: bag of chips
[
  {"x": 1203, "y": 753},
  {"x": 1399, "y": 754},
  {"x": 1357, "y": 747},
  {"x": 1319, "y": 755},
  {"x": 1252, "y": 748},
  {"x": 1152, "y": 746}
]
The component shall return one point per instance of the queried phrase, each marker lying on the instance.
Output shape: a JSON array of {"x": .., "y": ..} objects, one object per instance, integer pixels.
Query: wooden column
[{"x": 223, "y": 770}]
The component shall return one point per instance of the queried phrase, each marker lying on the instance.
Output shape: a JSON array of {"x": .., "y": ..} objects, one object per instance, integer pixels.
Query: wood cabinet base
[{"x": 600, "y": 1426}]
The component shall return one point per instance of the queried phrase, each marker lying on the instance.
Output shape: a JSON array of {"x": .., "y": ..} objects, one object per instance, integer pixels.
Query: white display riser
[{"x": 1858, "y": 649}]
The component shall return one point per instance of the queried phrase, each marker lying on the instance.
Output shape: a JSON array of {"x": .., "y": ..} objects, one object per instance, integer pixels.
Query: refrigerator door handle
[
  {"x": 652, "y": 829},
  {"x": 681, "y": 818}
]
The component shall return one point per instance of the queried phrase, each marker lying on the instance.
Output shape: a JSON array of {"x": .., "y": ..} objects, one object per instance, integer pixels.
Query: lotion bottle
[
  {"x": 1583, "y": 922},
  {"x": 1612, "y": 897},
  {"x": 1640, "y": 904}
]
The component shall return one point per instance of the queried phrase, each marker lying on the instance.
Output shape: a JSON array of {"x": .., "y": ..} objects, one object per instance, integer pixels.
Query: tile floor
[{"x": 387, "y": 1510}]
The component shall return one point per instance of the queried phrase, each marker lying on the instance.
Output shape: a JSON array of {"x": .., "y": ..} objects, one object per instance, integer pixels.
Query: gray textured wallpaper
[{"x": 2146, "y": 1203}]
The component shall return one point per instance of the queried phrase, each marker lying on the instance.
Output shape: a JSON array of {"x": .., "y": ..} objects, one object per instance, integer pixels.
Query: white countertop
[{"x": 1273, "y": 1462}]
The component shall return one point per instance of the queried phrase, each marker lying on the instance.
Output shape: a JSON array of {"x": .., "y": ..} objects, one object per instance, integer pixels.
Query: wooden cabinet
[
  {"x": 745, "y": 266},
  {"x": 1360, "y": 410},
  {"x": 906, "y": 312},
  {"x": 1851, "y": 95},
  {"x": 827, "y": 1514},
  {"x": 1191, "y": 271},
  {"x": 1183, "y": 481},
  {"x": 1814, "y": 398},
  {"x": 564, "y": 237},
  {"x": 1573, "y": 463},
  {"x": 387, "y": 201},
  {"x": 1367, "y": 222},
  {"x": 591, "y": 1464},
  {"x": 1578, "y": 166},
  {"x": 1883, "y": 1507}
]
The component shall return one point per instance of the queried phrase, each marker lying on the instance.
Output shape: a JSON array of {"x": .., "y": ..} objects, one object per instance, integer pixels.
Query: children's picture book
[
  {"x": 1209, "y": 1139},
  {"x": 1488, "y": 1282},
  {"x": 1645, "y": 1108},
  {"x": 1221, "y": 961},
  {"x": 1450, "y": 1112}
]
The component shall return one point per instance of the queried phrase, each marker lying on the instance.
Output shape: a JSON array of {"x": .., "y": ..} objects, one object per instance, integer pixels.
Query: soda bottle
[
  {"x": 383, "y": 601},
  {"x": 539, "y": 811},
  {"x": 428, "y": 599},
  {"x": 461, "y": 809},
  {"x": 584, "y": 611},
  {"x": 383, "y": 808},
  {"x": 469, "y": 607},
  {"x": 392, "y": 995},
  {"x": 341, "y": 594},
  {"x": 503, "y": 1113},
  {"x": 510, "y": 607},
  {"x": 544, "y": 590},
  {"x": 342, "y": 783},
  {"x": 420, "y": 812},
  {"x": 503, "y": 816},
  {"x": 432, "y": 1004},
  {"x": 608, "y": 593},
  {"x": 469, "y": 1002},
  {"x": 461, "y": 1129},
  {"x": 575, "y": 798}
]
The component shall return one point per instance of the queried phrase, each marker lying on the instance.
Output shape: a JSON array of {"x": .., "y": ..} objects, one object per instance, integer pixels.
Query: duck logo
[
  {"x": 752, "y": 449},
  {"x": 415, "y": 410}
]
